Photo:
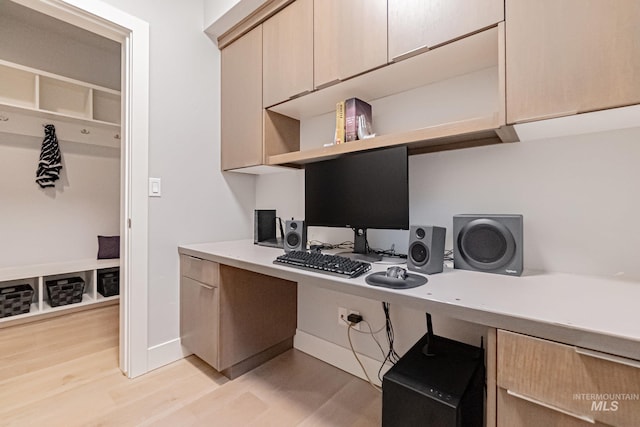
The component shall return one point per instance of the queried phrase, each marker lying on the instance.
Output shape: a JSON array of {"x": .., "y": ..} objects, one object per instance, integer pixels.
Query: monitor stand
[{"x": 361, "y": 248}]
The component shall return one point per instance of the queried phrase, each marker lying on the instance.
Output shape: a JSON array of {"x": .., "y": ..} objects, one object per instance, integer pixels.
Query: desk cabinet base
[{"x": 235, "y": 319}]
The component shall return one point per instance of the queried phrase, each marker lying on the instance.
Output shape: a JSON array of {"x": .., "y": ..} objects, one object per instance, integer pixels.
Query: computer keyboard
[{"x": 330, "y": 264}]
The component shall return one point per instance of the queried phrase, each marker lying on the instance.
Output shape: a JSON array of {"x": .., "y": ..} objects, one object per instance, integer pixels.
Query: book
[
  {"x": 354, "y": 108},
  {"x": 339, "y": 137}
]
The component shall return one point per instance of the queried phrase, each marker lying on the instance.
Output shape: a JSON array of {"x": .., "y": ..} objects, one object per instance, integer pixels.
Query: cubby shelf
[
  {"x": 81, "y": 112},
  {"x": 37, "y": 275}
]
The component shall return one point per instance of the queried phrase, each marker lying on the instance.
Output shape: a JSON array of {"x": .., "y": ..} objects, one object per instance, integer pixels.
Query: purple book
[{"x": 355, "y": 107}]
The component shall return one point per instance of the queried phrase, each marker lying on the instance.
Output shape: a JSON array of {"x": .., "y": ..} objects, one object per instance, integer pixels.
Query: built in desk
[{"x": 570, "y": 318}]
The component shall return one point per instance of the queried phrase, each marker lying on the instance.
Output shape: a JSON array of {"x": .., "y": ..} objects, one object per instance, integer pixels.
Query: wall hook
[
  {"x": 85, "y": 132},
  {"x": 117, "y": 136}
]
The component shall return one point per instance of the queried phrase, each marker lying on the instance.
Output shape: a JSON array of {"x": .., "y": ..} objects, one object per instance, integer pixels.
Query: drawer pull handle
[
  {"x": 193, "y": 258},
  {"x": 298, "y": 95},
  {"x": 608, "y": 357},
  {"x": 204, "y": 286},
  {"x": 553, "y": 408},
  {"x": 410, "y": 53}
]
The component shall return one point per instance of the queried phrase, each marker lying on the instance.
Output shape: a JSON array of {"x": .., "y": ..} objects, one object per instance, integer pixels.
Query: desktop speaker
[
  {"x": 426, "y": 249},
  {"x": 295, "y": 236},
  {"x": 488, "y": 243}
]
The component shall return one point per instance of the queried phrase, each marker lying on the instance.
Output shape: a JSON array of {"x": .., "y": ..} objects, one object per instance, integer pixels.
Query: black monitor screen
[{"x": 362, "y": 190}]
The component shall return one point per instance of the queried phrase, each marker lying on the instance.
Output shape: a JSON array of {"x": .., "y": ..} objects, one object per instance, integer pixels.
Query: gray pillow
[{"x": 108, "y": 247}]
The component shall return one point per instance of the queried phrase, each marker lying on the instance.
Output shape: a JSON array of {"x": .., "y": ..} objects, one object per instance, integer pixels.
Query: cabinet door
[
  {"x": 256, "y": 313},
  {"x": 571, "y": 56},
  {"x": 241, "y": 102},
  {"x": 416, "y": 25},
  {"x": 288, "y": 53},
  {"x": 350, "y": 37},
  {"x": 199, "y": 315}
]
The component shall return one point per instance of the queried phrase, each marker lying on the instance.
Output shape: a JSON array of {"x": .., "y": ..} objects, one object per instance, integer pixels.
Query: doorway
[{"x": 133, "y": 35}]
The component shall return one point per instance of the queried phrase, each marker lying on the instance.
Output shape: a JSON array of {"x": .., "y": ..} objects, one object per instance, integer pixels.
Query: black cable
[
  {"x": 391, "y": 355},
  {"x": 386, "y": 252},
  {"x": 448, "y": 255},
  {"x": 324, "y": 245}
]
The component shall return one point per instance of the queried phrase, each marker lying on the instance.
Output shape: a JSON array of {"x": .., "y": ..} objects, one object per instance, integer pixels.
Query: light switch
[{"x": 155, "y": 188}]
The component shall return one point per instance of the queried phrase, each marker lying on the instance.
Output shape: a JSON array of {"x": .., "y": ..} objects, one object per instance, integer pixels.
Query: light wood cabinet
[
  {"x": 349, "y": 38},
  {"x": 199, "y": 319},
  {"x": 418, "y": 25},
  {"x": 234, "y": 319},
  {"x": 563, "y": 384},
  {"x": 571, "y": 56},
  {"x": 241, "y": 102},
  {"x": 288, "y": 53}
]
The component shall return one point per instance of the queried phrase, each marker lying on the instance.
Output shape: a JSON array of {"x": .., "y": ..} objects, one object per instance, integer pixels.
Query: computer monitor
[{"x": 359, "y": 191}]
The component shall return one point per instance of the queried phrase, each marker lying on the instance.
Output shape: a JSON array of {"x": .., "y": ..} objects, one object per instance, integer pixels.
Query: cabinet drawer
[
  {"x": 589, "y": 384},
  {"x": 199, "y": 269},
  {"x": 514, "y": 411}
]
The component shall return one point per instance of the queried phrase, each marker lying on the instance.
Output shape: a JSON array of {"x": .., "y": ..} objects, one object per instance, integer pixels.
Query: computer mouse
[{"x": 396, "y": 272}]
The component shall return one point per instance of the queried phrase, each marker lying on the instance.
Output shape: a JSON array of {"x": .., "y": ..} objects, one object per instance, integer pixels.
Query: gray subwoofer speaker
[{"x": 488, "y": 243}]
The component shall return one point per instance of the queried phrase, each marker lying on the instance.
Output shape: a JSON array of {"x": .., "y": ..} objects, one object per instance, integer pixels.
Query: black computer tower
[{"x": 440, "y": 390}]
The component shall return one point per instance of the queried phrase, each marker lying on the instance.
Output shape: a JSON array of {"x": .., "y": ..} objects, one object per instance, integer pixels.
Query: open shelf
[
  {"x": 460, "y": 134},
  {"x": 65, "y": 98},
  {"x": 37, "y": 275},
  {"x": 17, "y": 87},
  {"x": 81, "y": 112},
  {"x": 481, "y": 53}
]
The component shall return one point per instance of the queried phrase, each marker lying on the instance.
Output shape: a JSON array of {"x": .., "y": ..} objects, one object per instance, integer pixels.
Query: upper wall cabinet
[
  {"x": 248, "y": 132},
  {"x": 418, "y": 25},
  {"x": 349, "y": 38},
  {"x": 571, "y": 56},
  {"x": 241, "y": 99},
  {"x": 288, "y": 53}
]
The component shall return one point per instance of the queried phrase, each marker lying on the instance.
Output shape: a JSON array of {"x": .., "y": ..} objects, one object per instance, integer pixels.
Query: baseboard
[
  {"x": 165, "y": 353},
  {"x": 340, "y": 357}
]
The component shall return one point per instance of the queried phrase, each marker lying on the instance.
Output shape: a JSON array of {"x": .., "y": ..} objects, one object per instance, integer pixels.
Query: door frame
[{"x": 133, "y": 34}]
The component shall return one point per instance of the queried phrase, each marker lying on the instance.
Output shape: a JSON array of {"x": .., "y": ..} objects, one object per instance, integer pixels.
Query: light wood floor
[{"x": 63, "y": 372}]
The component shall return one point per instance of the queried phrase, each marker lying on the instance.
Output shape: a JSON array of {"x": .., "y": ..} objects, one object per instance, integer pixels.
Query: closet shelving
[
  {"x": 38, "y": 275},
  {"x": 81, "y": 112}
]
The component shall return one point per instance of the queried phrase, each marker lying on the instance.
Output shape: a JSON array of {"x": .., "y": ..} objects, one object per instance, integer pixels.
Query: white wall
[
  {"x": 39, "y": 226},
  {"x": 39, "y": 41},
  {"x": 198, "y": 203}
]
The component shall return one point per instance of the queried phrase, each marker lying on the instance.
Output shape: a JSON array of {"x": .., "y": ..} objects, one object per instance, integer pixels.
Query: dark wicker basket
[
  {"x": 15, "y": 300},
  {"x": 65, "y": 291},
  {"x": 109, "y": 282}
]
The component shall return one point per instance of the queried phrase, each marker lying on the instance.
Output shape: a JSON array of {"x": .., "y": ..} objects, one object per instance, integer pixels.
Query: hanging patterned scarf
[{"x": 50, "y": 164}]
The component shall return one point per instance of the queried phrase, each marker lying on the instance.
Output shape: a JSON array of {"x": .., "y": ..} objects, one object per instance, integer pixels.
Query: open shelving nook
[
  {"x": 81, "y": 112},
  {"x": 480, "y": 51},
  {"x": 38, "y": 275}
]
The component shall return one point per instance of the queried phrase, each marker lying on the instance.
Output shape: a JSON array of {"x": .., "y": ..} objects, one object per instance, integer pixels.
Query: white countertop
[{"x": 598, "y": 313}]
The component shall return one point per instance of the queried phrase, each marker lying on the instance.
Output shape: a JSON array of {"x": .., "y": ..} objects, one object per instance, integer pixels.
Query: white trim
[
  {"x": 165, "y": 353},
  {"x": 133, "y": 33},
  {"x": 337, "y": 356}
]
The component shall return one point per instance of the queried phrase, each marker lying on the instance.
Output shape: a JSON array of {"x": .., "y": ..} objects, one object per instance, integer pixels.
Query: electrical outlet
[{"x": 342, "y": 317}]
